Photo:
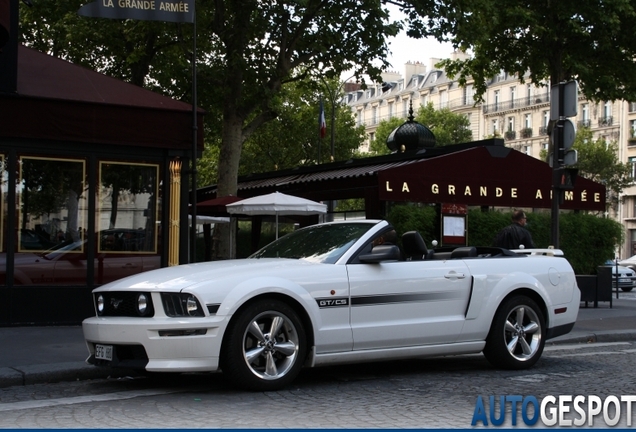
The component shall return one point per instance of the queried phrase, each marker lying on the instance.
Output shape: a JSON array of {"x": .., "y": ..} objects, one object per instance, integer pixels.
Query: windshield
[{"x": 318, "y": 243}]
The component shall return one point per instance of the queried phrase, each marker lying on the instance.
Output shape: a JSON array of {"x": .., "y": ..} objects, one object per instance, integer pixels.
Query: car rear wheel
[
  {"x": 265, "y": 347},
  {"x": 517, "y": 334}
]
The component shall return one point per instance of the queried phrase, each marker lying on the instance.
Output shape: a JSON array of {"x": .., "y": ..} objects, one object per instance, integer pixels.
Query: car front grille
[{"x": 124, "y": 304}]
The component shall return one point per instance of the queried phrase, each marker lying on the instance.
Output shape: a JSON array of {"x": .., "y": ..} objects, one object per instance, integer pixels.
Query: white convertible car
[{"x": 324, "y": 295}]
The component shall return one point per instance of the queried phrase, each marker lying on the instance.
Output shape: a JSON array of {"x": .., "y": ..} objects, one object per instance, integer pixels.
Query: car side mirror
[{"x": 381, "y": 253}]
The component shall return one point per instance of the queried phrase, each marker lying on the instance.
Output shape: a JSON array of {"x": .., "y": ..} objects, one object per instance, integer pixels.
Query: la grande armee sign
[
  {"x": 146, "y": 10},
  {"x": 485, "y": 176}
]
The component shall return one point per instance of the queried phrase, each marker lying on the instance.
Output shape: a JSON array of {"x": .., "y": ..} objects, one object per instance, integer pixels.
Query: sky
[{"x": 404, "y": 49}]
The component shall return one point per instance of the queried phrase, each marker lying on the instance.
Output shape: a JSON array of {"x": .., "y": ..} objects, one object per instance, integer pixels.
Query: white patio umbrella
[
  {"x": 276, "y": 204},
  {"x": 201, "y": 219}
]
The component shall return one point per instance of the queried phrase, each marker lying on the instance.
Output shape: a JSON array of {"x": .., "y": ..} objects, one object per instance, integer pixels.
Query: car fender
[
  {"x": 267, "y": 285},
  {"x": 485, "y": 299}
]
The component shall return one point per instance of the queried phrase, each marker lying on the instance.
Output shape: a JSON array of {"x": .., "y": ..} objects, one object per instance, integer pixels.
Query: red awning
[
  {"x": 62, "y": 101},
  {"x": 216, "y": 206},
  {"x": 485, "y": 176}
]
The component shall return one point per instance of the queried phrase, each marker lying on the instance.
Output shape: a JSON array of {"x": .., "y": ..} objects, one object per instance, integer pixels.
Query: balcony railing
[
  {"x": 510, "y": 135},
  {"x": 605, "y": 121},
  {"x": 585, "y": 123},
  {"x": 516, "y": 103},
  {"x": 543, "y": 130}
]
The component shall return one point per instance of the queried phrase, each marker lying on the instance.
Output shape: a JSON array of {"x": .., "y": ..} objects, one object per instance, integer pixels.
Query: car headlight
[
  {"x": 100, "y": 304},
  {"x": 142, "y": 304}
]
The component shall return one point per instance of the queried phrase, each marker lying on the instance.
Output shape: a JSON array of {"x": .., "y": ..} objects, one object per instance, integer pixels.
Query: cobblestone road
[{"x": 429, "y": 393}]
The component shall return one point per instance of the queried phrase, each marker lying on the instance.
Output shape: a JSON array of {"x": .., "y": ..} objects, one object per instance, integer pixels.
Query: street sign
[{"x": 570, "y": 100}]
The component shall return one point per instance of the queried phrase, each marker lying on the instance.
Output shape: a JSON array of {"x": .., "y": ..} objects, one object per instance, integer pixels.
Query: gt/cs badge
[{"x": 332, "y": 302}]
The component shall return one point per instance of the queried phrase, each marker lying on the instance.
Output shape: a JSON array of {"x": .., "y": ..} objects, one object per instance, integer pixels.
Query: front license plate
[
  {"x": 624, "y": 280},
  {"x": 104, "y": 352}
]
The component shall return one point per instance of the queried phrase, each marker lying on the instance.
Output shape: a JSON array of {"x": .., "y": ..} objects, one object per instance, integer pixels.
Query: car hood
[{"x": 221, "y": 273}]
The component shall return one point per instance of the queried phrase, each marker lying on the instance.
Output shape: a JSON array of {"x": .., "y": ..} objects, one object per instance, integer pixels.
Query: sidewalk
[{"x": 31, "y": 355}]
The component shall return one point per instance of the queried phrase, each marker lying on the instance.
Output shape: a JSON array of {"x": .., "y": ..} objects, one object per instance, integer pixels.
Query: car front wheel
[
  {"x": 265, "y": 346},
  {"x": 517, "y": 334}
]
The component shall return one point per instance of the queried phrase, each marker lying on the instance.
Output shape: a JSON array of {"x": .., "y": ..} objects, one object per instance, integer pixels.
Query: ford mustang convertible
[{"x": 328, "y": 294}]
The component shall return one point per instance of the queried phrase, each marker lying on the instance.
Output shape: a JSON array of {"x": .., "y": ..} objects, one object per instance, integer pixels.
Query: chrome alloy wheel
[
  {"x": 522, "y": 333},
  {"x": 270, "y": 345}
]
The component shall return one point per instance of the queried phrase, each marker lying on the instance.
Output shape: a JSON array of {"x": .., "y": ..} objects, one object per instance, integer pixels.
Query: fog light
[
  {"x": 192, "y": 306},
  {"x": 142, "y": 304}
]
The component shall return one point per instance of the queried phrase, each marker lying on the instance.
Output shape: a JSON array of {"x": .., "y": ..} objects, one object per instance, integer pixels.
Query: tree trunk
[{"x": 227, "y": 184}]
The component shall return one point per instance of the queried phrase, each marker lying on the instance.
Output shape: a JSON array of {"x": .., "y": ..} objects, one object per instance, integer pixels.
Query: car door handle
[{"x": 455, "y": 275}]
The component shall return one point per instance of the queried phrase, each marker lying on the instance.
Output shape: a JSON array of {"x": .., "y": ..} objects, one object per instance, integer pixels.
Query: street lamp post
[{"x": 332, "y": 100}]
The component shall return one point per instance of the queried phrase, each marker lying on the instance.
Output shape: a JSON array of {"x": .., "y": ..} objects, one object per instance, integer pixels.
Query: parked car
[
  {"x": 324, "y": 295},
  {"x": 628, "y": 262},
  {"x": 66, "y": 263},
  {"x": 625, "y": 275}
]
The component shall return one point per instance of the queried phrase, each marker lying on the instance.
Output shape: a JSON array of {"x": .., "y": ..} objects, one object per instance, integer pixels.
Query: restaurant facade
[{"x": 93, "y": 184}]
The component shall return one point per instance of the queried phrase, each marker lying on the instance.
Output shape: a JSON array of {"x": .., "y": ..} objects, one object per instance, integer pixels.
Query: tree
[
  {"x": 589, "y": 41},
  {"x": 292, "y": 139},
  {"x": 384, "y": 129},
  {"x": 248, "y": 49},
  {"x": 598, "y": 161},
  {"x": 447, "y": 126}
]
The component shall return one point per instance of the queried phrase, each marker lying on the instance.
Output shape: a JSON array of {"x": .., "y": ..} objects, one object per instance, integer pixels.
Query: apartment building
[{"x": 518, "y": 112}]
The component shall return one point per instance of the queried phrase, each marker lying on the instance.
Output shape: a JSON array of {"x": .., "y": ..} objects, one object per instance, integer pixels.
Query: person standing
[{"x": 515, "y": 235}]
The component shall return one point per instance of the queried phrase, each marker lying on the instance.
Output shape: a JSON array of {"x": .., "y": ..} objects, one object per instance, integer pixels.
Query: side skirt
[{"x": 394, "y": 353}]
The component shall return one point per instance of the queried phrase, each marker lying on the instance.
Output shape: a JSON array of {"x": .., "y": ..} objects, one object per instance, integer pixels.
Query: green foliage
[
  {"x": 447, "y": 126},
  {"x": 288, "y": 142},
  {"x": 586, "y": 240},
  {"x": 598, "y": 161},
  {"x": 559, "y": 40},
  {"x": 385, "y": 127},
  {"x": 350, "y": 205},
  {"x": 408, "y": 217}
]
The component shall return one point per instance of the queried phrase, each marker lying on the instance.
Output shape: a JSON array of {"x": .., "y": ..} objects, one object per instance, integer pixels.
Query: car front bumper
[{"x": 157, "y": 344}]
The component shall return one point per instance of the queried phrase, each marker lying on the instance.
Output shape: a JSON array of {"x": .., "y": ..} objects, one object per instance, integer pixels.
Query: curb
[
  {"x": 610, "y": 336},
  {"x": 55, "y": 372}
]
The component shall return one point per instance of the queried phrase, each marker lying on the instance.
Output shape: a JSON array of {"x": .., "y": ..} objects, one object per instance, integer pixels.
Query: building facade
[{"x": 517, "y": 112}]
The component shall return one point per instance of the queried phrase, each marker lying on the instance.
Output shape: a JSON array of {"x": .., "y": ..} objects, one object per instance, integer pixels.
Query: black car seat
[{"x": 414, "y": 246}]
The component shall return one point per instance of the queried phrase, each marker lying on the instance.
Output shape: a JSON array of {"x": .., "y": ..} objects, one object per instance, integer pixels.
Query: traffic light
[
  {"x": 566, "y": 155},
  {"x": 564, "y": 132},
  {"x": 564, "y": 178}
]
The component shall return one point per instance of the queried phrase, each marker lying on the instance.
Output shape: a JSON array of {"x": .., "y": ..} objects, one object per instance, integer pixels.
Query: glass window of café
[{"x": 62, "y": 237}]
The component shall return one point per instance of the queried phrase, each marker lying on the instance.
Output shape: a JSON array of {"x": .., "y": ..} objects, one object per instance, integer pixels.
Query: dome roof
[{"x": 410, "y": 136}]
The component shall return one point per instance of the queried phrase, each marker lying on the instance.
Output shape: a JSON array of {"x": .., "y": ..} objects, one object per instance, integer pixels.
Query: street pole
[{"x": 556, "y": 164}]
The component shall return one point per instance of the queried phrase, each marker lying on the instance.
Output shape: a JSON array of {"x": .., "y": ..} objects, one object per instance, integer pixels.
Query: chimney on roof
[
  {"x": 8, "y": 46},
  {"x": 413, "y": 68}
]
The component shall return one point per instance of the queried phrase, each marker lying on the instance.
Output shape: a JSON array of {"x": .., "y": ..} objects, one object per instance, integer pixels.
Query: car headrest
[{"x": 413, "y": 245}]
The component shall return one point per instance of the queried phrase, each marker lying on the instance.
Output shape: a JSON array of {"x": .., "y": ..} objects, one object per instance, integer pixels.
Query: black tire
[
  {"x": 514, "y": 345},
  {"x": 627, "y": 289},
  {"x": 253, "y": 360}
]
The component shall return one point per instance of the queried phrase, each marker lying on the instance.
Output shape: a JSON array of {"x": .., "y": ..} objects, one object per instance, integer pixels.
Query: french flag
[{"x": 322, "y": 124}]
